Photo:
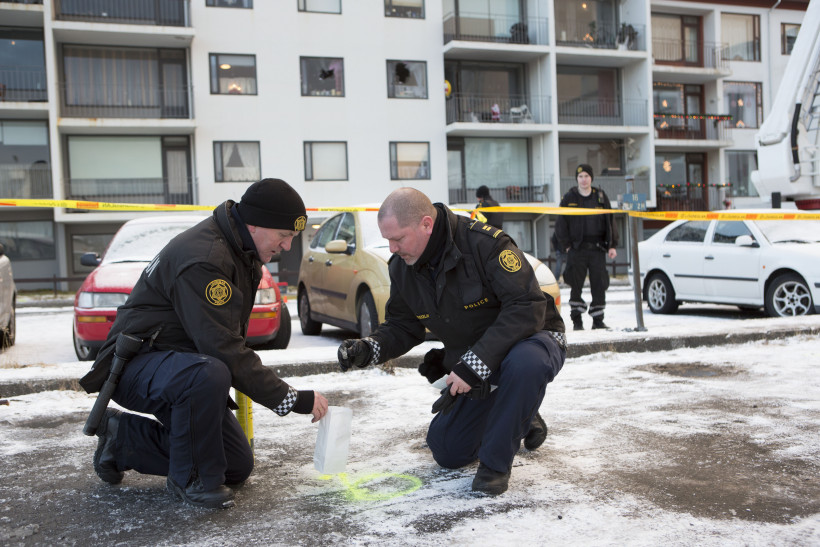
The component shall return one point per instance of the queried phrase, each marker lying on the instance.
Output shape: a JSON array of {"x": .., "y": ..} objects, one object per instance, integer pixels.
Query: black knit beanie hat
[
  {"x": 584, "y": 168},
  {"x": 273, "y": 203}
]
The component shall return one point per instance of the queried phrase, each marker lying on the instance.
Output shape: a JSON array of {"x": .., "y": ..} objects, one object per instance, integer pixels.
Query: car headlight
[
  {"x": 265, "y": 296},
  {"x": 101, "y": 299}
]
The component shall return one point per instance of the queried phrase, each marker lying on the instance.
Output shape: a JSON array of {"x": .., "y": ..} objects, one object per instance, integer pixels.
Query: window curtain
[
  {"x": 326, "y": 161},
  {"x": 111, "y": 77},
  {"x": 238, "y": 161},
  {"x": 668, "y": 42},
  {"x": 739, "y": 31}
]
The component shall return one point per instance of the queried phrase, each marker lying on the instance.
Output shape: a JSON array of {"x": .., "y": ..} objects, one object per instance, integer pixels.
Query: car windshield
[
  {"x": 371, "y": 235},
  {"x": 142, "y": 242},
  {"x": 790, "y": 231}
]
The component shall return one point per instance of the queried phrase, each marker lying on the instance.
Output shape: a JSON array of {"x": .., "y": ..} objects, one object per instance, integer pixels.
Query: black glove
[
  {"x": 433, "y": 368},
  {"x": 444, "y": 403},
  {"x": 353, "y": 352},
  {"x": 479, "y": 389}
]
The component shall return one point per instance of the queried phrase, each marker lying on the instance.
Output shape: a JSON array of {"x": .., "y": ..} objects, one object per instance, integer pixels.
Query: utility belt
[{"x": 592, "y": 246}]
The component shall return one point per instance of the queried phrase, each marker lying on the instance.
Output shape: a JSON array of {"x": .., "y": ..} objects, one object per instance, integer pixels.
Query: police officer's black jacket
[
  {"x": 570, "y": 229},
  {"x": 485, "y": 298},
  {"x": 197, "y": 296}
]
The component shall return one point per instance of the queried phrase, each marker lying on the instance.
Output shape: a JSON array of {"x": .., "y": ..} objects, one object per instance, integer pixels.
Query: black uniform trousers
[
  {"x": 491, "y": 429},
  {"x": 196, "y": 435},
  {"x": 592, "y": 260}
]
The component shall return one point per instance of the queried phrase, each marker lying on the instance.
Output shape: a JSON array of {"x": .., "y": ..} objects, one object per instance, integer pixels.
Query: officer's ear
[{"x": 427, "y": 223}]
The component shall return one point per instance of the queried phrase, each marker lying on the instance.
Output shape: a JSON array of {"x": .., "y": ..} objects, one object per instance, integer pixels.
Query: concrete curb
[{"x": 25, "y": 387}]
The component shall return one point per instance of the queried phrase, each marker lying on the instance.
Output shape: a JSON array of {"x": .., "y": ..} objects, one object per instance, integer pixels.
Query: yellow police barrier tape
[{"x": 656, "y": 215}]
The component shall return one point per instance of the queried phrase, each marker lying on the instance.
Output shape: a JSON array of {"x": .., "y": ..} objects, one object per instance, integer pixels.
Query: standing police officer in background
[
  {"x": 191, "y": 306},
  {"x": 484, "y": 200},
  {"x": 588, "y": 239},
  {"x": 503, "y": 338}
]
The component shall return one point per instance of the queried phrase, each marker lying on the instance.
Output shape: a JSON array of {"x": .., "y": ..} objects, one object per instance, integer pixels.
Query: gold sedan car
[{"x": 343, "y": 279}]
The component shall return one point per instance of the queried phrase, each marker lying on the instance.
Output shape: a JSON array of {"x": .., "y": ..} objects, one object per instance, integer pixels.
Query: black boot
[
  {"x": 489, "y": 481},
  {"x": 577, "y": 324},
  {"x": 105, "y": 461},
  {"x": 537, "y": 433},
  {"x": 598, "y": 323},
  {"x": 220, "y": 497}
]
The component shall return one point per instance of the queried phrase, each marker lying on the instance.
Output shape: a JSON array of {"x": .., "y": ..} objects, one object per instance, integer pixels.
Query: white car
[{"x": 773, "y": 264}]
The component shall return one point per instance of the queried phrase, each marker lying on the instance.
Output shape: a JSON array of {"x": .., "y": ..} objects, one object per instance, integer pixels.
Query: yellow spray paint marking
[{"x": 367, "y": 488}]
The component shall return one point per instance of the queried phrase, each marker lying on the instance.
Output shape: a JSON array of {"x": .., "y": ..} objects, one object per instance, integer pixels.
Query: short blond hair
[{"x": 408, "y": 206}]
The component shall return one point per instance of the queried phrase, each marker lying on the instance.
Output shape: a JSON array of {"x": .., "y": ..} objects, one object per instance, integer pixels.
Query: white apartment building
[{"x": 189, "y": 101}]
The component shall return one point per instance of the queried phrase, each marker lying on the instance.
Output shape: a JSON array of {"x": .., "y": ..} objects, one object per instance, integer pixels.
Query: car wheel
[
  {"x": 84, "y": 352},
  {"x": 309, "y": 326},
  {"x": 788, "y": 296},
  {"x": 660, "y": 295},
  {"x": 9, "y": 334},
  {"x": 283, "y": 336},
  {"x": 368, "y": 316}
]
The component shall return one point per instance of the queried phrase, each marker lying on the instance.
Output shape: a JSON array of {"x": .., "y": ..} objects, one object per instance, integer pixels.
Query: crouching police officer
[
  {"x": 503, "y": 339},
  {"x": 191, "y": 306}
]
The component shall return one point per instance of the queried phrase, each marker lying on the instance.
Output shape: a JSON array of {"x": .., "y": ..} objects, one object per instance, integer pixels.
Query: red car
[{"x": 134, "y": 245}]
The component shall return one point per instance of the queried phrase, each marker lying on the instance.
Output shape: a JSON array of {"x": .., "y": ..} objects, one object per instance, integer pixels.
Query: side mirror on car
[
  {"x": 746, "y": 241},
  {"x": 339, "y": 246},
  {"x": 90, "y": 259}
]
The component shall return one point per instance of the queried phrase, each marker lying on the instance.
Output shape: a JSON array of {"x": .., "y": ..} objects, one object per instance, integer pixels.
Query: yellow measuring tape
[{"x": 655, "y": 215}]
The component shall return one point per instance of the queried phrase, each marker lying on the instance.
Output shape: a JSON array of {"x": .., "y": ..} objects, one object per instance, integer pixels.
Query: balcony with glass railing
[
  {"x": 475, "y": 108},
  {"x": 177, "y": 190},
  {"x": 23, "y": 84},
  {"x": 601, "y": 111},
  {"x": 600, "y": 35},
  {"x": 487, "y": 27},
  {"x": 690, "y": 127},
  {"x": 697, "y": 54},
  {"x": 125, "y": 101},
  {"x": 611, "y": 184},
  {"x": 172, "y": 13},
  {"x": 533, "y": 190},
  {"x": 25, "y": 181}
]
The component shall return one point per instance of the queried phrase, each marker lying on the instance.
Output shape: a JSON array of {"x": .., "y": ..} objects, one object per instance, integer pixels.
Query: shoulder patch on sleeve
[
  {"x": 218, "y": 292},
  {"x": 509, "y": 261}
]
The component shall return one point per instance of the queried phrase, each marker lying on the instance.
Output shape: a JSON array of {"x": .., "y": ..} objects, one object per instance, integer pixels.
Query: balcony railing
[
  {"x": 535, "y": 190},
  {"x": 599, "y": 111},
  {"x": 136, "y": 190},
  {"x": 611, "y": 184},
  {"x": 601, "y": 35},
  {"x": 674, "y": 127},
  {"x": 23, "y": 1},
  {"x": 120, "y": 101},
  {"x": 689, "y": 53},
  {"x": 484, "y": 27},
  {"x": 689, "y": 198},
  {"x": 172, "y": 13},
  {"x": 463, "y": 107},
  {"x": 23, "y": 84},
  {"x": 25, "y": 181}
]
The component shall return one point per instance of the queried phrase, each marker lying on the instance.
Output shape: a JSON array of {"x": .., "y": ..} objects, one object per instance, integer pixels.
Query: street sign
[{"x": 634, "y": 202}]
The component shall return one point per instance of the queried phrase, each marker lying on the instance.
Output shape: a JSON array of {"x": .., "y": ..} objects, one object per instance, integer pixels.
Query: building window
[
  {"x": 407, "y": 79},
  {"x": 740, "y": 164},
  {"x": 788, "y": 34},
  {"x": 590, "y": 23},
  {"x": 28, "y": 239},
  {"x": 742, "y": 33},
  {"x": 604, "y": 156},
  {"x": 322, "y": 76},
  {"x": 744, "y": 103},
  {"x": 320, "y": 6},
  {"x": 409, "y": 160},
  {"x": 588, "y": 95},
  {"x": 237, "y": 161},
  {"x": 233, "y": 74},
  {"x": 676, "y": 39},
  {"x": 325, "y": 161},
  {"x": 22, "y": 66},
  {"x": 247, "y": 4},
  {"x": 414, "y": 9},
  {"x": 521, "y": 232},
  {"x": 24, "y": 157}
]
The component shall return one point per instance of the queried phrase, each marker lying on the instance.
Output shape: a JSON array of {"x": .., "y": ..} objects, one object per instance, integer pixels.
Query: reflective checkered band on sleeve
[
  {"x": 559, "y": 337},
  {"x": 477, "y": 365},
  {"x": 376, "y": 350},
  {"x": 290, "y": 400}
]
